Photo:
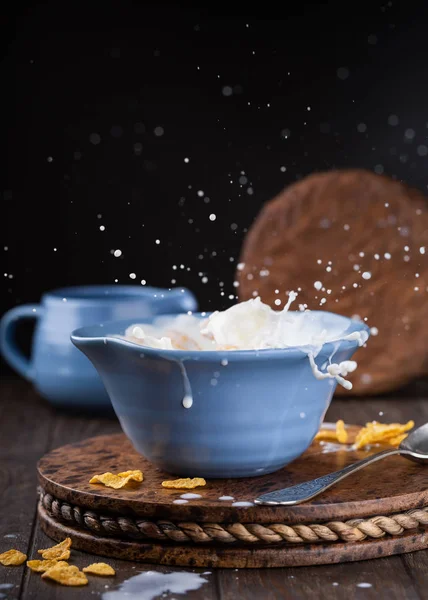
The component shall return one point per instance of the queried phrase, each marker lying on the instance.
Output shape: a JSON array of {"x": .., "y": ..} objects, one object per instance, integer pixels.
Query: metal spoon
[{"x": 414, "y": 447}]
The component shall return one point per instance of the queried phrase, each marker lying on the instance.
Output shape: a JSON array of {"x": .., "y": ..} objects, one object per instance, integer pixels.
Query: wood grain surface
[
  {"x": 29, "y": 427},
  {"x": 394, "y": 485}
]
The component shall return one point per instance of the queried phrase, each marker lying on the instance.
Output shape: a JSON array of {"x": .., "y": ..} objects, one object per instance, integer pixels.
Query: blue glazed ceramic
[
  {"x": 253, "y": 411},
  {"x": 60, "y": 372}
]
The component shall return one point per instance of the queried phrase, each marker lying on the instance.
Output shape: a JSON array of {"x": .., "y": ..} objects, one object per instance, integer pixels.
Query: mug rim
[{"x": 104, "y": 293}]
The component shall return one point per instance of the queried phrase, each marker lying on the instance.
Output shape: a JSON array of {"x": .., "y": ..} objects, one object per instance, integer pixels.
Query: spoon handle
[{"x": 307, "y": 490}]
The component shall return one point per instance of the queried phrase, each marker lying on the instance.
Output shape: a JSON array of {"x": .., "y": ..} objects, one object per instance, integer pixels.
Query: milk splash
[
  {"x": 334, "y": 371},
  {"x": 151, "y": 584},
  {"x": 250, "y": 325}
]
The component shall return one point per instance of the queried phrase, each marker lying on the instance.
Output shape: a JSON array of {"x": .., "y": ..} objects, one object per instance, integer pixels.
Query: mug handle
[{"x": 8, "y": 347}]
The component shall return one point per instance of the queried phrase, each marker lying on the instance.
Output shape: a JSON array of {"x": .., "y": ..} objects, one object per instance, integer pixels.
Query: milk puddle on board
[{"x": 151, "y": 584}]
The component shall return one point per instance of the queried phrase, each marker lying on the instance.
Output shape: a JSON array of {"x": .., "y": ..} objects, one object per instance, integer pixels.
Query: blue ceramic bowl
[{"x": 253, "y": 411}]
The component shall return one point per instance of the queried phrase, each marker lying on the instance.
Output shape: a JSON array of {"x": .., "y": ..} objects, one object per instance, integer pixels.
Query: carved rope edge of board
[{"x": 352, "y": 530}]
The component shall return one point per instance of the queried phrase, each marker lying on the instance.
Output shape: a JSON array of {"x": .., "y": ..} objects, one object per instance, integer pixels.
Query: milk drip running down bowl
[{"x": 232, "y": 394}]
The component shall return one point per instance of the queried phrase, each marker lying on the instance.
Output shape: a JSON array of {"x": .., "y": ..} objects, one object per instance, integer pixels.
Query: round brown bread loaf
[{"x": 363, "y": 236}]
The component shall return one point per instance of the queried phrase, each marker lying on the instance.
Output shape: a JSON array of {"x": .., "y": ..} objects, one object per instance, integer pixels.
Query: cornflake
[
  {"x": 375, "y": 433},
  {"x": 339, "y": 434},
  {"x": 66, "y": 575},
  {"x": 40, "y": 566},
  {"x": 99, "y": 569},
  {"x": 187, "y": 483},
  {"x": 59, "y": 552},
  {"x": 117, "y": 481},
  {"x": 396, "y": 441},
  {"x": 12, "y": 558}
]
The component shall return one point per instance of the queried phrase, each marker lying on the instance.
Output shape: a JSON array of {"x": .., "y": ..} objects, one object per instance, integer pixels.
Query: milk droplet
[
  {"x": 132, "y": 276},
  {"x": 387, "y": 255},
  {"x": 366, "y": 275},
  {"x": 318, "y": 285},
  {"x": 187, "y": 401},
  {"x": 94, "y": 138},
  {"x": 374, "y": 331},
  {"x": 213, "y": 217},
  {"x": 422, "y": 249},
  {"x": 343, "y": 73},
  {"x": 278, "y": 302}
]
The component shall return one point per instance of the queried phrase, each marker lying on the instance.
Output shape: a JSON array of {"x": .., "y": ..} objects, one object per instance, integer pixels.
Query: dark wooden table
[{"x": 29, "y": 427}]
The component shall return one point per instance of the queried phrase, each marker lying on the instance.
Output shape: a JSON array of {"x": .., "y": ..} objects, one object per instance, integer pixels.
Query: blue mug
[{"x": 59, "y": 372}]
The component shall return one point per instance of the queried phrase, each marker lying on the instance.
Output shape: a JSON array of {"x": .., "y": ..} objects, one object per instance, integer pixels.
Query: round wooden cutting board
[{"x": 379, "y": 511}]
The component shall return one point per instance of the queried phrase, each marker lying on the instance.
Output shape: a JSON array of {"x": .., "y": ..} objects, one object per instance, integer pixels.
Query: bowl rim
[{"x": 90, "y": 335}]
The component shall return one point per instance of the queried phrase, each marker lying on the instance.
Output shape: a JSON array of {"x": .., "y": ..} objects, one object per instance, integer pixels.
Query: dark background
[{"x": 103, "y": 103}]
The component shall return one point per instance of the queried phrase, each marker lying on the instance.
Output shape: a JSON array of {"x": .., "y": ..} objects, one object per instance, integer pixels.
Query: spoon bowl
[{"x": 416, "y": 444}]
